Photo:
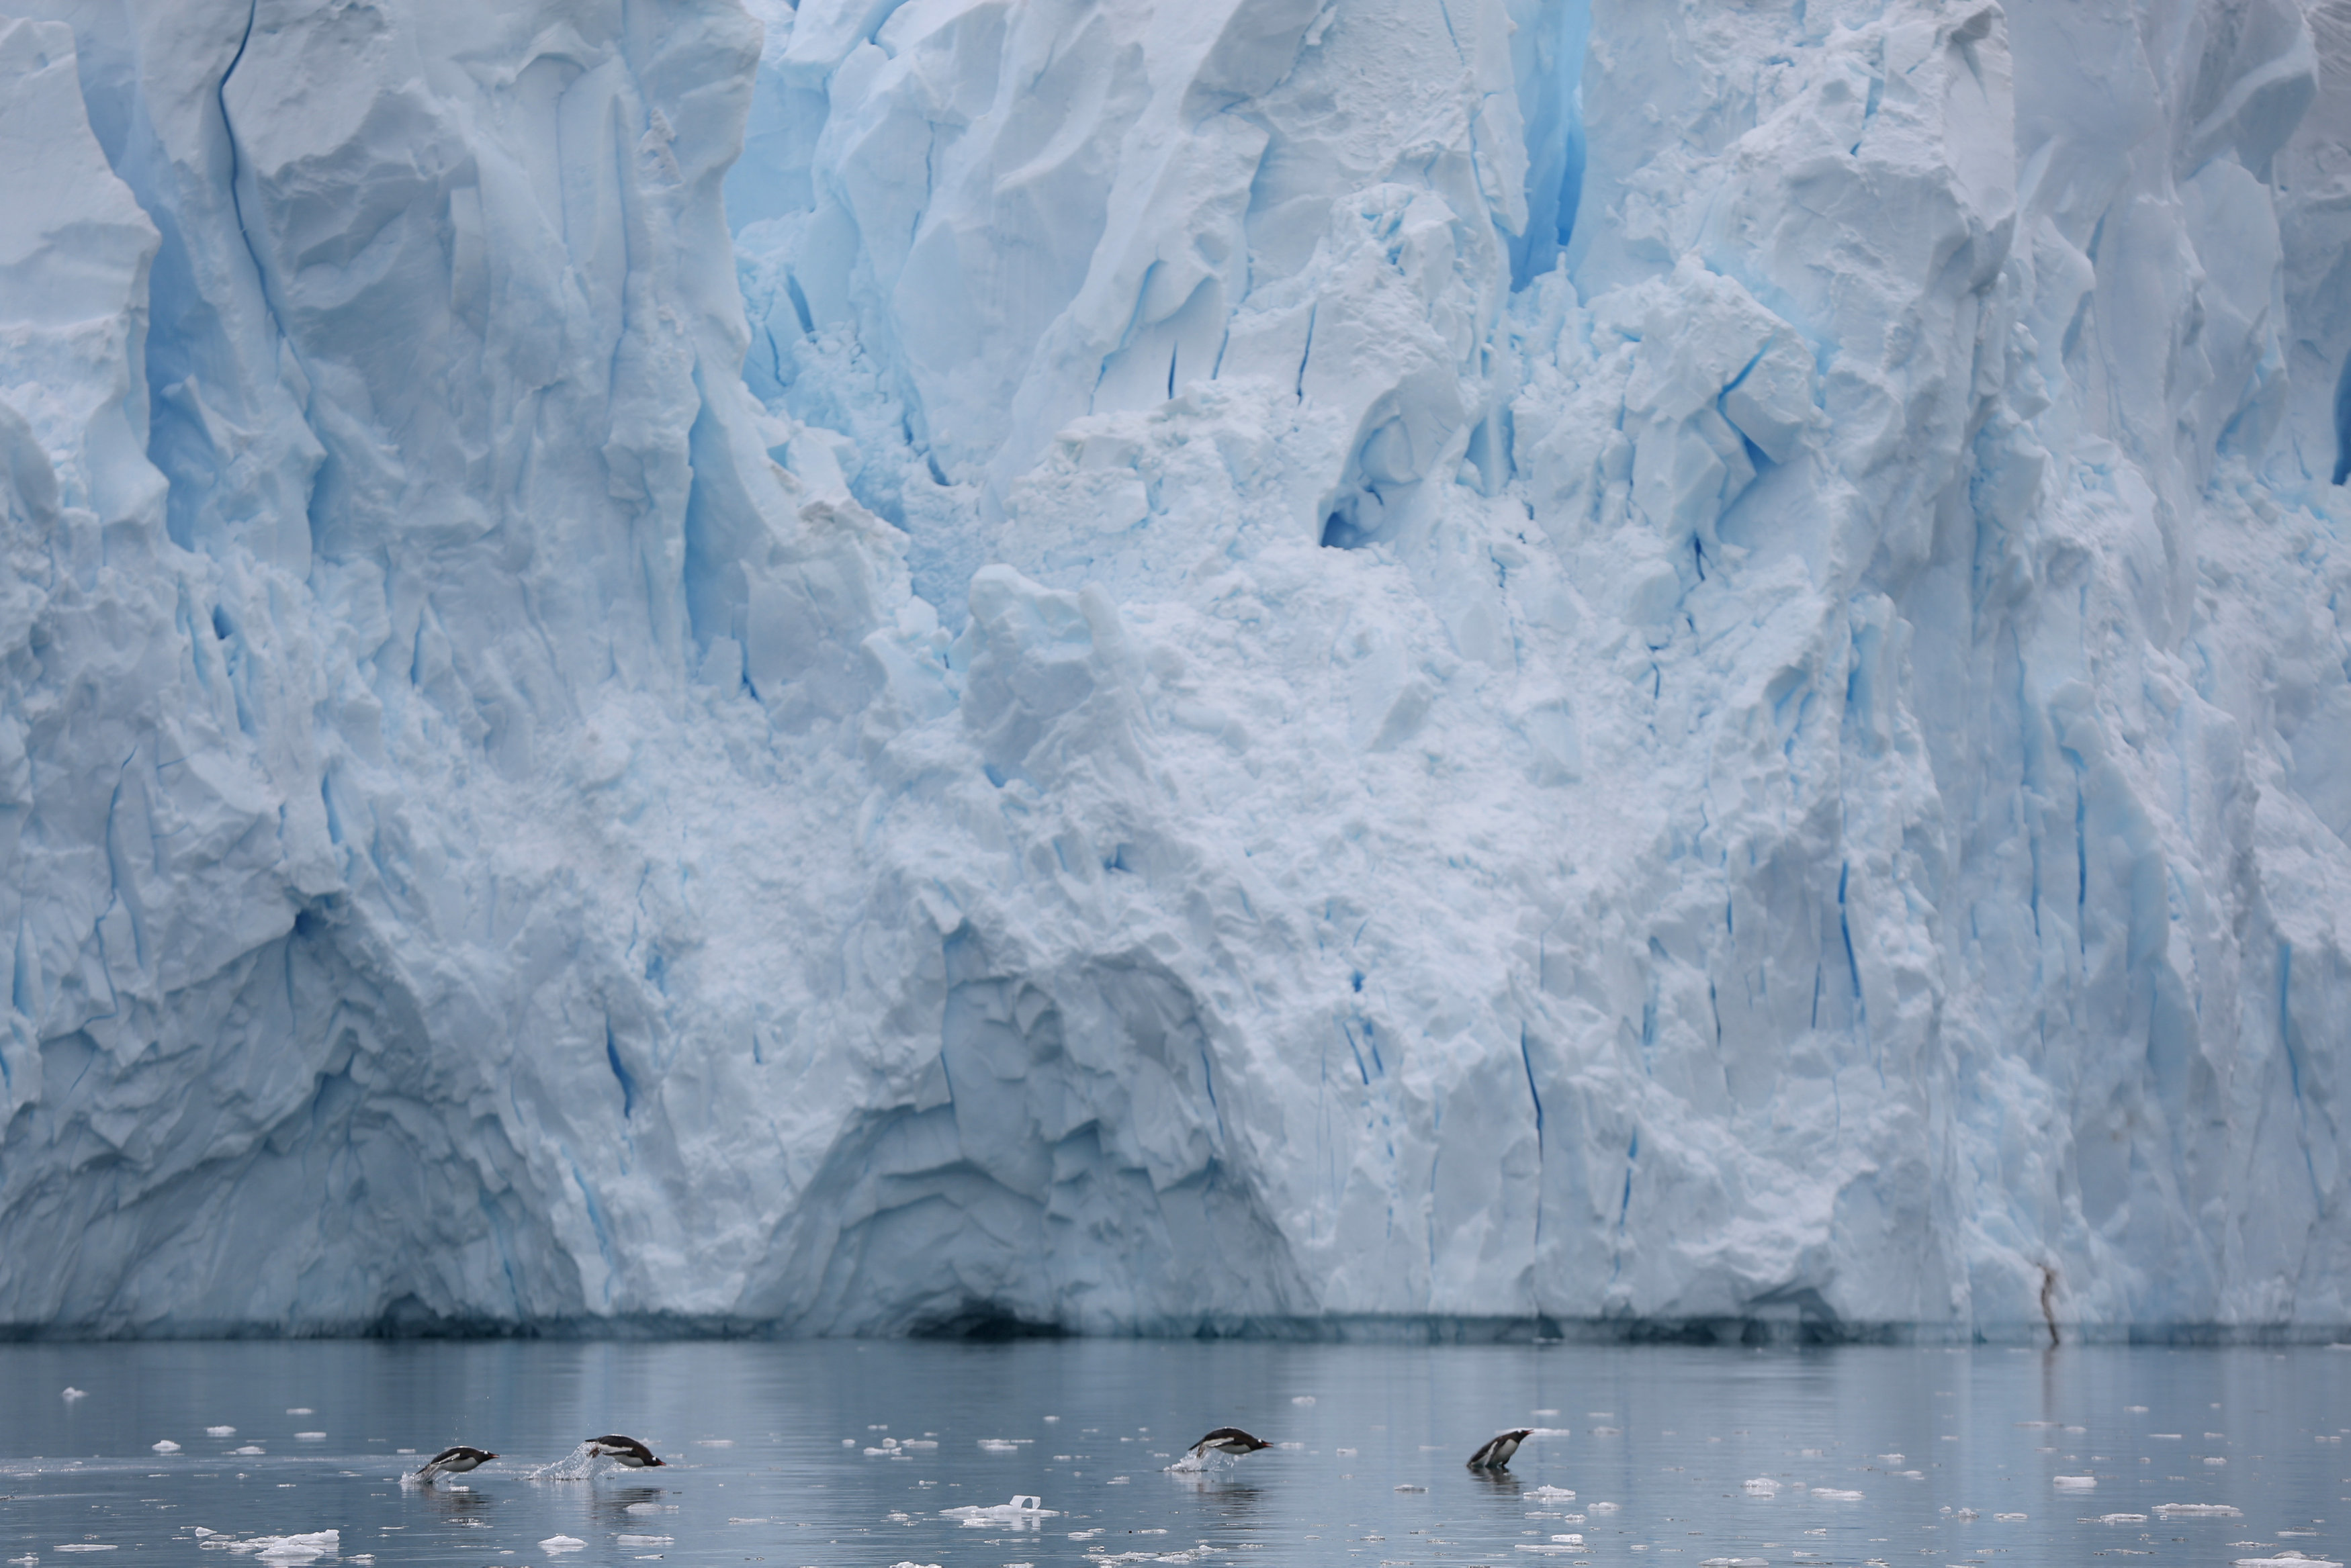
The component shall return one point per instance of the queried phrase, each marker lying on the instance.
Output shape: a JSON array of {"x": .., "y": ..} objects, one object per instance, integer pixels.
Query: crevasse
[{"x": 1393, "y": 666}]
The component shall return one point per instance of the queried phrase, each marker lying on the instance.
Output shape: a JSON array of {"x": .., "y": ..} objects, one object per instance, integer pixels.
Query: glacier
[{"x": 1287, "y": 666}]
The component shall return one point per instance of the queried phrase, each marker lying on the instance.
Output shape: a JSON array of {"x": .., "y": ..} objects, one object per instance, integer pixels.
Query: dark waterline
[{"x": 768, "y": 1443}]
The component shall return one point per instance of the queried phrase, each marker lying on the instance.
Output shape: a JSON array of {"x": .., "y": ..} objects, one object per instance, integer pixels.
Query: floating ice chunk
[
  {"x": 2214, "y": 1459},
  {"x": 2167, "y": 1437},
  {"x": 1301, "y": 1398},
  {"x": 1407, "y": 1486},
  {"x": 555, "y": 1544},
  {"x": 1568, "y": 1540},
  {"x": 309, "y": 1437},
  {"x": 2286, "y": 1559},
  {"x": 250, "y": 1448},
  {"x": 1967, "y": 1514},
  {"x": 1344, "y": 1453},
  {"x": 307, "y": 1547},
  {"x": 919, "y": 1443},
  {"x": 2074, "y": 1484},
  {"x": 2197, "y": 1511},
  {"x": 1023, "y": 1509},
  {"x": 2133, "y": 1409},
  {"x": 220, "y": 1431},
  {"x": 1733, "y": 1562},
  {"x": 651, "y": 1508},
  {"x": 165, "y": 1446},
  {"x": 1835, "y": 1494},
  {"x": 1601, "y": 1507},
  {"x": 713, "y": 1442},
  {"x": 299, "y": 1410},
  {"x": 26, "y": 1561},
  {"x": 2118, "y": 1518},
  {"x": 1559, "y": 1492},
  {"x": 644, "y": 1540},
  {"x": 1760, "y": 1486},
  {"x": 994, "y": 1445},
  {"x": 69, "y": 1395},
  {"x": 1550, "y": 1550},
  {"x": 1893, "y": 1459},
  {"x": 1084, "y": 1534},
  {"x": 86, "y": 1546},
  {"x": 2011, "y": 1517}
]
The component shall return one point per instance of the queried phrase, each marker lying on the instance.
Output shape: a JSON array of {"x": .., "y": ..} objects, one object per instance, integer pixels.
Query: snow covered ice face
[
  {"x": 1195, "y": 631},
  {"x": 1369, "y": 1443}
]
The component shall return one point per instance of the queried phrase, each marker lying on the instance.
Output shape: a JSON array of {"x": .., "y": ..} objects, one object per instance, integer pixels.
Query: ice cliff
[{"x": 1158, "y": 666}]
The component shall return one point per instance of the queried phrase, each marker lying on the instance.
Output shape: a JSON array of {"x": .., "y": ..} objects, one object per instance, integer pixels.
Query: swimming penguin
[
  {"x": 627, "y": 1450},
  {"x": 1227, "y": 1440},
  {"x": 453, "y": 1461},
  {"x": 1496, "y": 1453}
]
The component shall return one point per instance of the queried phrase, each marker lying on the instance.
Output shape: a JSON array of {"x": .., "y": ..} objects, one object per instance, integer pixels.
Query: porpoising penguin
[
  {"x": 453, "y": 1461},
  {"x": 1227, "y": 1440},
  {"x": 627, "y": 1450},
  {"x": 1495, "y": 1455}
]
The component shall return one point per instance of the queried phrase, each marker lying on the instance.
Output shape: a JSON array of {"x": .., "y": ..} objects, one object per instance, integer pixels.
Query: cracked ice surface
[{"x": 1144, "y": 665}]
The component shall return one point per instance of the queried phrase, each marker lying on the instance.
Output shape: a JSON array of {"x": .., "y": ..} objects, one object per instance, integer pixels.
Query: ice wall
[{"x": 1154, "y": 667}]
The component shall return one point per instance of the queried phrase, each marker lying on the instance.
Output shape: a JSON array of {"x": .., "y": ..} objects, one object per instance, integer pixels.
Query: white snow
[{"x": 1254, "y": 660}]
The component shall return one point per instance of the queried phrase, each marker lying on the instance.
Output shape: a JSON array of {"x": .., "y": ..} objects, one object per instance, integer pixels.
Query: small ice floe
[
  {"x": 1023, "y": 1509},
  {"x": 2011, "y": 1517},
  {"x": 1893, "y": 1459},
  {"x": 250, "y": 1448},
  {"x": 2133, "y": 1409},
  {"x": 1000, "y": 1445},
  {"x": 282, "y": 1548},
  {"x": 1835, "y": 1494},
  {"x": 1602, "y": 1507},
  {"x": 1760, "y": 1486},
  {"x": 2214, "y": 1459},
  {"x": 309, "y": 1437},
  {"x": 165, "y": 1446},
  {"x": 2073, "y": 1483},
  {"x": 713, "y": 1442},
  {"x": 86, "y": 1546},
  {"x": 2197, "y": 1511},
  {"x": 555, "y": 1544},
  {"x": 1733, "y": 1562},
  {"x": 1345, "y": 1453},
  {"x": 910, "y": 1564},
  {"x": 2118, "y": 1518},
  {"x": 1301, "y": 1398},
  {"x": 26, "y": 1561},
  {"x": 299, "y": 1410},
  {"x": 643, "y": 1539},
  {"x": 1407, "y": 1486},
  {"x": 2286, "y": 1559},
  {"x": 1085, "y": 1534},
  {"x": 2165, "y": 1437},
  {"x": 1556, "y": 1493},
  {"x": 645, "y": 1507},
  {"x": 69, "y": 1395},
  {"x": 763, "y": 1520},
  {"x": 220, "y": 1431},
  {"x": 1547, "y": 1549},
  {"x": 1967, "y": 1514}
]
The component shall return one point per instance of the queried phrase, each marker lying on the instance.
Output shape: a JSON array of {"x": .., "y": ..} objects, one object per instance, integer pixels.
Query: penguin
[
  {"x": 1495, "y": 1455},
  {"x": 1227, "y": 1440},
  {"x": 453, "y": 1461},
  {"x": 627, "y": 1450}
]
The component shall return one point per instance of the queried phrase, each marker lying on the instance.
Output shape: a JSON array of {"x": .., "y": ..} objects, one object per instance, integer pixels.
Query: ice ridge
[{"x": 1130, "y": 667}]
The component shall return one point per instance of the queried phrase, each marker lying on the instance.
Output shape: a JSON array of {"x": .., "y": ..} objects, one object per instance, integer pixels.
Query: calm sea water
[{"x": 797, "y": 1454}]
